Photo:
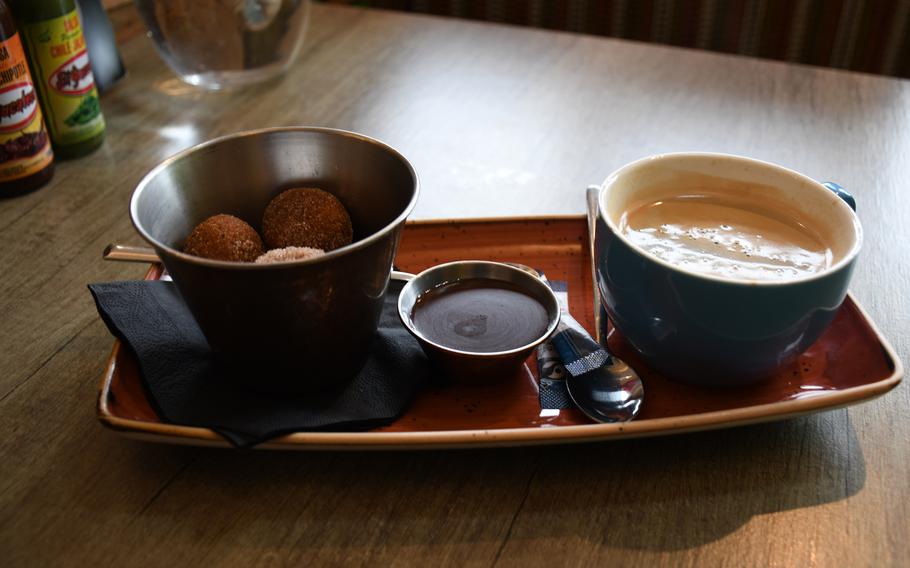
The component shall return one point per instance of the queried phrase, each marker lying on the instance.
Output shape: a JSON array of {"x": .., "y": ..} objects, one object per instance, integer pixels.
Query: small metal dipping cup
[{"x": 468, "y": 366}]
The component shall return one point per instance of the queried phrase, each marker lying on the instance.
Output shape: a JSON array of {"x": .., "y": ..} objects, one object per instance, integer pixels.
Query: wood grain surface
[{"x": 497, "y": 121}]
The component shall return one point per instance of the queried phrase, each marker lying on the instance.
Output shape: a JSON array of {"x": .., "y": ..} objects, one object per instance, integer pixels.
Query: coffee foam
[{"x": 726, "y": 235}]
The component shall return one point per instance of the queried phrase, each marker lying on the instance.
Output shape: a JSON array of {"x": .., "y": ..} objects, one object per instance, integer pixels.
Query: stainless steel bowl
[
  {"x": 297, "y": 326},
  {"x": 468, "y": 366}
]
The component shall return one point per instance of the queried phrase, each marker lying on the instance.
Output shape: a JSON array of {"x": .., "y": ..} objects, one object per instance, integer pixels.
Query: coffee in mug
[{"x": 727, "y": 234}]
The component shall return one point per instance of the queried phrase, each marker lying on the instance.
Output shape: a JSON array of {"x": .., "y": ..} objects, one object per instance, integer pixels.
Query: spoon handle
[{"x": 591, "y": 199}]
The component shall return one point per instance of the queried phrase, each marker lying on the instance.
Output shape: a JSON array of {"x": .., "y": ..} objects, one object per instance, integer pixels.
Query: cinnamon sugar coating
[
  {"x": 289, "y": 254},
  {"x": 306, "y": 217},
  {"x": 224, "y": 237}
]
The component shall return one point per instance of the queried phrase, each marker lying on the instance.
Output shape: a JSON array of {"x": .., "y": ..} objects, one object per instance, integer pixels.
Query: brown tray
[{"x": 850, "y": 363}]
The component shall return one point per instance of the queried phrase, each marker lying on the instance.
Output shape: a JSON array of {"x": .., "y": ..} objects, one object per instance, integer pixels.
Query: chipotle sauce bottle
[
  {"x": 52, "y": 34},
  {"x": 26, "y": 158}
]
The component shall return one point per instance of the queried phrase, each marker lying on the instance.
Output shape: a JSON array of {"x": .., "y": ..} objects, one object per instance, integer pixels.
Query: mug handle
[{"x": 841, "y": 192}]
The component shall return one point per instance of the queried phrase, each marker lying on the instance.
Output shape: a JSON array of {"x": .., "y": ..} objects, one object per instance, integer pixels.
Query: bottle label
[
  {"x": 60, "y": 60},
  {"x": 25, "y": 148}
]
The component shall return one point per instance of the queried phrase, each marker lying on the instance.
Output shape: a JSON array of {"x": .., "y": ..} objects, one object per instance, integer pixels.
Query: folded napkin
[{"x": 185, "y": 386}]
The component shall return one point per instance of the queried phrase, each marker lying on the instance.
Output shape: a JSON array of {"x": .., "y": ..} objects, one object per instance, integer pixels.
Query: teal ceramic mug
[{"x": 696, "y": 318}]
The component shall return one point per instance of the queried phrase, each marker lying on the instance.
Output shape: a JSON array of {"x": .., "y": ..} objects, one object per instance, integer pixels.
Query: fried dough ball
[
  {"x": 224, "y": 237},
  {"x": 288, "y": 254},
  {"x": 306, "y": 217}
]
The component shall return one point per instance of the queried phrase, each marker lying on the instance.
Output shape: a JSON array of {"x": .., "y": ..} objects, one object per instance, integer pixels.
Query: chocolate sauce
[{"x": 479, "y": 315}]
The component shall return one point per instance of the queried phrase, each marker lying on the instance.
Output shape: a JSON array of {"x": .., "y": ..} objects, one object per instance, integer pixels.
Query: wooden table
[{"x": 498, "y": 121}]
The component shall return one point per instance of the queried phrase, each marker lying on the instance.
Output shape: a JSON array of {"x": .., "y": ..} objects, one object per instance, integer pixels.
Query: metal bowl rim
[
  {"x": 404, "y": 315},
  {"x": 230, "y": 265}
]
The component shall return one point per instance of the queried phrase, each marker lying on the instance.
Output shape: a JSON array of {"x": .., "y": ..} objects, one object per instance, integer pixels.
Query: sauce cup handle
[{"x": 403, "y": 276}]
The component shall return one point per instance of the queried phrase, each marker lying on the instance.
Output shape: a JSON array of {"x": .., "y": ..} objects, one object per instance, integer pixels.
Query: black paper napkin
[{"x": 185, "y": 386}]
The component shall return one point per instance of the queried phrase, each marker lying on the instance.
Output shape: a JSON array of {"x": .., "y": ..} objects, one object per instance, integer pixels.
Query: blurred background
[{"x": 871, "y": 36}]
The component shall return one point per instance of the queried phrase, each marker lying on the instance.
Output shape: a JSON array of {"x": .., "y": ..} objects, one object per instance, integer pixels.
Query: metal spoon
[
  {"x": 615, "y": 393},
  {"x": 611, "y": 392},
  {"x": 602, "y": 386},
  {"x": 600, "y": 320}
]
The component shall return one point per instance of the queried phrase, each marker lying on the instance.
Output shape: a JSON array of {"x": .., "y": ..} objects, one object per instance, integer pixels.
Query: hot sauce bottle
[
  {"x": 26, "y": 158},
  {"x": 59, "y": 62}
]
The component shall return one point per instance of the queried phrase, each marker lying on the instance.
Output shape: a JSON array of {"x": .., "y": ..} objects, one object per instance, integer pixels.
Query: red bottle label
[
  {"x": 18, "y": 106},
  {"x": 25, "y": 147},
  {"x": 74, "y": 76}
]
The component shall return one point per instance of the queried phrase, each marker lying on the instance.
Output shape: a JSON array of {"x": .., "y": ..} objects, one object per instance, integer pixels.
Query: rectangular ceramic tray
[{"x": 851, "y": 363}]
